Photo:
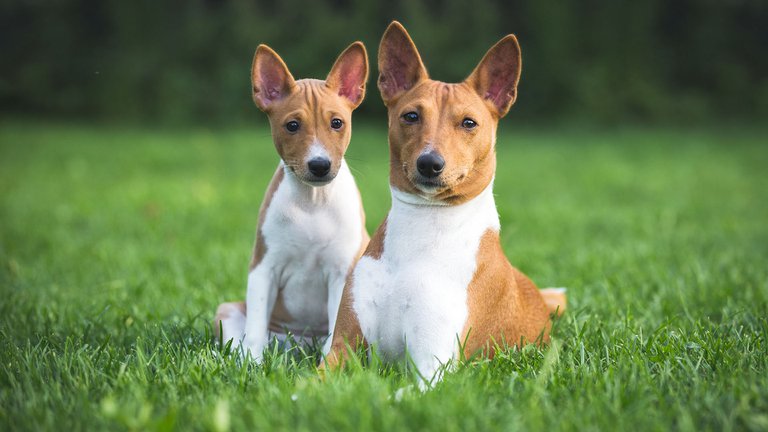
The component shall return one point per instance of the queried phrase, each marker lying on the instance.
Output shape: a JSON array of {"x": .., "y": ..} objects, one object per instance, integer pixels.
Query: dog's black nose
[
  {"x": 319, "y": 166},
  {"x": 430, "y": 164}
]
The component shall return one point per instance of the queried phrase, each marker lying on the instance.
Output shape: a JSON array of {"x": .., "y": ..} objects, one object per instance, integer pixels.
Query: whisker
[
  {"x": 355, "y": 159},
  {"x": 357, "y": 172}
]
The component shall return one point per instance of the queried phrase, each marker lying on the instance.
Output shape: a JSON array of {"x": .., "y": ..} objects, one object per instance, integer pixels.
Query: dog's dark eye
[
  {"x": 468, "y": 123},
  {"x": 411, "y": 117},
  {"x": 292, "y": 126},
  {"x": 337, "y": 123}
]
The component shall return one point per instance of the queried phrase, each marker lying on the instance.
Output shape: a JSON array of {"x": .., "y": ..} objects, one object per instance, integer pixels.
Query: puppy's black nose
[
  {"x": 319, "y": 166},
  {"x": 430, "y": 164}
]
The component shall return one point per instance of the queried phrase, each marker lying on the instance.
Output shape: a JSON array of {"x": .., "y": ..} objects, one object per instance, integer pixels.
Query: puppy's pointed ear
[
  {"x": 400, "y": 66},
  {"x": 496, "y": 76},
  {"x": 270, "y": 78},
  {"x": 350, "y": 73}
]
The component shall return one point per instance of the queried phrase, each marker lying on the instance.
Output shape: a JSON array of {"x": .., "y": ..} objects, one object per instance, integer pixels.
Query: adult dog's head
[{"x": 442, "y": 135}]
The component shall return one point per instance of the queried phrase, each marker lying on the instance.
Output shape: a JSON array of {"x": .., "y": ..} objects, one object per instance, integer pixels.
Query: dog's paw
[
  {"x": 403, "y": 392},
  {"x": 253, "y": 352}
]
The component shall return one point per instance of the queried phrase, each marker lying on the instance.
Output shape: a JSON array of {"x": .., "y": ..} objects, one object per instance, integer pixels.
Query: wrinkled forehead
[
  {"x": 445, "y": 97},
  {"x": 311, "y": 96}
]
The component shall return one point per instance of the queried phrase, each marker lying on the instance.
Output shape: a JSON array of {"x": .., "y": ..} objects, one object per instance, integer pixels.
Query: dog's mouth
[
  {"x": 314, "y": 181},
  {"x": 311, "y": 179},
  {"x": 437, "y": 185},
  {"x": 429, "y": 186},
  {"x": 305, "y": 174}
]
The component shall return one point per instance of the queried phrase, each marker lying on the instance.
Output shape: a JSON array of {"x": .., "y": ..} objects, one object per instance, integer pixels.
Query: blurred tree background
[{"x": 181, "y": 61}]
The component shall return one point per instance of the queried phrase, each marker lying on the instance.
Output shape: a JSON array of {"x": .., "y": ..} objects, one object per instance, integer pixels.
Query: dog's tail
[{"x": 555, "y": 300}]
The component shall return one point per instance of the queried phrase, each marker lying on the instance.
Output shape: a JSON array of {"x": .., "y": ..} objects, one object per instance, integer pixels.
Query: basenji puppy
[
  {"x": 434, "y": 281},
  {"x": 311, "y": 226}
]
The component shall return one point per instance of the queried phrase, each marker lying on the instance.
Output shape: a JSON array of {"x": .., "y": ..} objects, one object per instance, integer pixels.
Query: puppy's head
[
  {"x": 442, "y": 135},
  {"x": 310, "y": 119}
]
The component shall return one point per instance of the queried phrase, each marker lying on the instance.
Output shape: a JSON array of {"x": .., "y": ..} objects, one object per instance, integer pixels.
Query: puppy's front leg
[{"x": 260, "y": 300}]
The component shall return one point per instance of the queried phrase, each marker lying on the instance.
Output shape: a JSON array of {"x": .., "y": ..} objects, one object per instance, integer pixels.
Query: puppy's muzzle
[{"x": 319, "y": 167}]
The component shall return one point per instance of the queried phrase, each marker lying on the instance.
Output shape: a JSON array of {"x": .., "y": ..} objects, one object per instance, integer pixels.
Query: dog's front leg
[
  {"x": 432, "y": 354},
  {"x": 346, "y": 332},
  {"x": 260, "y": 300},
  {"x": 335, "y": 289}
]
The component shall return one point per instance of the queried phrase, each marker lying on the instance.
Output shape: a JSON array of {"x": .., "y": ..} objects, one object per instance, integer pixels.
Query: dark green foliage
[{"x": 181, "y": 61}]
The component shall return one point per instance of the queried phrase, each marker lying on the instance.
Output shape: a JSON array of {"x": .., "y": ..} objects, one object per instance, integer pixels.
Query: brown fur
[
  {"x": 259, "y": 249},
  {"x": 280, "y": 314},
  {"x": 469, "y": 155},
  {"x": 504, "y": 305},
  {"x": 283, "y": 99},
  {"x": 347, "y": 325}
]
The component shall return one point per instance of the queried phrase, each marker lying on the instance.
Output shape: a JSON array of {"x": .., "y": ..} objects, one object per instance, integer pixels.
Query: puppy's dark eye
[
  {"x": 411, "y": 117},
  {"x": 468, "y": 123},
  {"x": 337, "y": 123},
  {"x": 292, "y": 126}
]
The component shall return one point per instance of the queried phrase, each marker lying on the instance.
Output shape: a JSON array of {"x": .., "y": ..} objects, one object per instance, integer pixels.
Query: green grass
[{"x": 116, "y": 245}]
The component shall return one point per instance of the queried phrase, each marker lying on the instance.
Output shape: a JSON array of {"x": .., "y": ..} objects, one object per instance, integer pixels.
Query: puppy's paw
[
  {"x": 404, "y": 392},
  {"x": 252, "y": 349}
]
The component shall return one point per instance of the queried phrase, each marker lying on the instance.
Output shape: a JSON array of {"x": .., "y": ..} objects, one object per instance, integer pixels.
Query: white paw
[
  {"x": 425, "y": 386},
  {"x": 251, "y": 351},
  {"x": 402, "y": 392}
]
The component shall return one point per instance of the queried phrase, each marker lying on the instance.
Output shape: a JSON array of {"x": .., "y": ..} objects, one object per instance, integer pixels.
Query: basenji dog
[
  {"x": 311, "y": 226},
  {"x": 434, "y": 281}
]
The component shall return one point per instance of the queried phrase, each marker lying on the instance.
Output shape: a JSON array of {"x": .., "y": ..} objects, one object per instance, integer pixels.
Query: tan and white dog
[
  {"x": 434, "y": 280},
  {"x": 311, "y": 227}
]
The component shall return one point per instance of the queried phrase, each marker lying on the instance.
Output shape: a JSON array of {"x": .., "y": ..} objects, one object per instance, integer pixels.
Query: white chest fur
[
  {"x": 312, "y": 236},
  {"x": 414, "y": 298}
]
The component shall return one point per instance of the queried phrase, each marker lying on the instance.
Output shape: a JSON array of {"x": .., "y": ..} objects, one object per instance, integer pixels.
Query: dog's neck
[
  {"x": 415, "y": 200},
  {"x": 315, "y": 195},
  {"x": 481, "y": 207}
]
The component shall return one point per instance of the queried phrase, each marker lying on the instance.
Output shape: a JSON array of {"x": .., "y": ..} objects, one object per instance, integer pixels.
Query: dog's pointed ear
[
  {"x": 496, "y": 76},
  {"x": 270, "y": 78},
  {"x": 400, "y": 66},
  {"x": 350, "y": 73}
]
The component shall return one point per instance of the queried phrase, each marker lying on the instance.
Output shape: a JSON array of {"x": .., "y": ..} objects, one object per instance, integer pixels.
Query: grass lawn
[{"x": 116, "y": 245}]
